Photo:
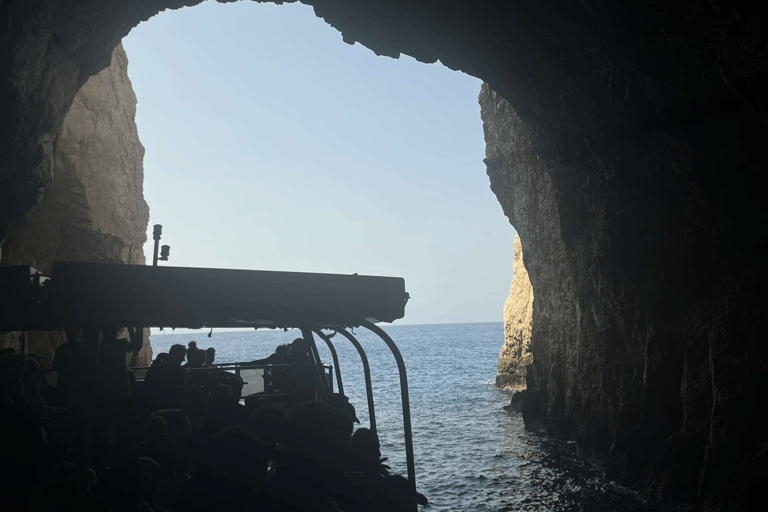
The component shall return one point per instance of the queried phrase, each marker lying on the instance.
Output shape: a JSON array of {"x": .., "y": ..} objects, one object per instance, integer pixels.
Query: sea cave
[{"x": 623, "y": 144}]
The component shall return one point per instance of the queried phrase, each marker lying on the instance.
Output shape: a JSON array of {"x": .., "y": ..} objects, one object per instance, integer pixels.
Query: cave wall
[
  {"x": 515, "y": 356},
  {"x": 646, "y": 349},
  {"x": 628, "y": 144},
  {"x": 94, "y": 209}
]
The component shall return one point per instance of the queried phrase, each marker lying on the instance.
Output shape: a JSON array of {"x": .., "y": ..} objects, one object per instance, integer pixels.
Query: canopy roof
[{"x": 80, "y": 294}]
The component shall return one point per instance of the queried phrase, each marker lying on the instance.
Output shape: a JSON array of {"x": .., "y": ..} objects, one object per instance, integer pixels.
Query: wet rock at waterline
[
  {"x": 94, "y": 209},
  {"x": 515, "y": 355}
]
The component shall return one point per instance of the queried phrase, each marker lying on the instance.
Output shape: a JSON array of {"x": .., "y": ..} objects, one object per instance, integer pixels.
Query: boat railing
[{"x": 255, "y": 376}]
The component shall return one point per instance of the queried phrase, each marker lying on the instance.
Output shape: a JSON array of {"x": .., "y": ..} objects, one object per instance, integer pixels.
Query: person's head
[
  {"x": 341, "y": 402},
  {"x": 161, "y": 359},
  {"x": 220, "y": 395},
  {"x": 177, "y": 353},
  {"x": 196, "y": 358},
  {"x": 299, "y": 350},
  {"x": 210, "y": 355},
  {"x": 232, "y": 468}
]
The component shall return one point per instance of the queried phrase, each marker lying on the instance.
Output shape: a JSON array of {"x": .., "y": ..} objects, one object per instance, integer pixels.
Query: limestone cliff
[
  {"x": 515, "y": 356},
  {"x": 646, "y": 346},
  {"x": 94, "y": 210}
]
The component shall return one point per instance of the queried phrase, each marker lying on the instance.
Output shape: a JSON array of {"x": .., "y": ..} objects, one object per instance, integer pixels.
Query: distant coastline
[{"x": 157, "y": 332}]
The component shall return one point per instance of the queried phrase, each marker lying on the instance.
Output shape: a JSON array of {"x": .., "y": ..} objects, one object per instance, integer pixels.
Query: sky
[{"x": 273, "y": 145}]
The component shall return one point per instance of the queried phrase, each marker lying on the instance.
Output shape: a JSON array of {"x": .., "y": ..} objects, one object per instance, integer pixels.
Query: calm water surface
[{"x": 471, "y": 455}]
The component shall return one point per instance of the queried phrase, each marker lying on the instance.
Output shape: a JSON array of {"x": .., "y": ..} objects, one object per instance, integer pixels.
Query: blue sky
[{"x": 271, "y": 144}]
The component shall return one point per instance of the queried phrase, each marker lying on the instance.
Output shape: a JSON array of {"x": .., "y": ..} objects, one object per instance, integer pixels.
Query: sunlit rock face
[
  {"x": 94, "y": 209},
  {"x": 627, "y": 149},
  {"x": 515, "y": 355}
]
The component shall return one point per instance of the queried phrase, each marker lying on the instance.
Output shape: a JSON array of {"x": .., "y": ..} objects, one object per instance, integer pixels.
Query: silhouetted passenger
[
  {"x": 279, "y": 356},
  {"x": 195, "y": 359},
  {"x": 313, "y": 441},
  {"x": 210, "y": 355},
  {"x": 191, "y": 349},
  {"x": 222, "y": 411},
  {"x": 341, "y": 402},
  {"x": 74, "y": 381},
  {"x": 234, "y": 382},
  {"x": 265, "y": 422},
  {"x": 365, "y": 453},
  {"x": 113, "y": 383},
  {"x": 230, "y": 474},
  {"x": 395, "y": 493},
  {"x": 321, "y": 446},
  {"x": 163, "y": 358},
  {"x": 177, "y": 354},
  {"x": 300, "y": 379},
  {"x": 165, "y": 381}
]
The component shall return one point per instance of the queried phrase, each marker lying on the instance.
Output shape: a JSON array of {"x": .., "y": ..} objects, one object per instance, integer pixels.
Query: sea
[{"x": 470, "y": 454}]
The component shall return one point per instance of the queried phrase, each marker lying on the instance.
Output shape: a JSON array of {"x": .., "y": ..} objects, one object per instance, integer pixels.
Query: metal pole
[
  {"x": 327, "y": 341},
  {"x": 367, "y": 373},
  {"x": 406, "y": 402},
  {"x": 156, "y": 236},
  {"x": 307, "y": 335}
]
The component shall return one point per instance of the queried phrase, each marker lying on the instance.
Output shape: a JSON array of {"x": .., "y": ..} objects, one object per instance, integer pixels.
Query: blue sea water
[{"x": 470, "y": 454}]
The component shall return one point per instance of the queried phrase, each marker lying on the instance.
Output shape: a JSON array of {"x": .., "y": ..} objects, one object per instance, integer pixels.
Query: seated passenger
[
  {"x": 222, "y": 411},
  {"x": 195, "y": 359},
  {"x": 280, "y": 356},
  {"x": 74, "y": 381},
  {"x": 177, "y": 354},
  {"x": 165, "y": 384},
  {"x": 230, "y": 474}
]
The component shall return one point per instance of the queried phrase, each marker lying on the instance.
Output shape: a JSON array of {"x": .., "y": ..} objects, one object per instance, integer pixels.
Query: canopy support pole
[
  {"x": 306, "y": 333},
  {"x": 406, "y": 402},
  {"x": 327, "y": 341},
  {"x": 367, "y": 373}
]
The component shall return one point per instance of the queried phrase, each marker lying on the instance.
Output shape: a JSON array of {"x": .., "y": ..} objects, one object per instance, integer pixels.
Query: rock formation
[
  {"x": 625, "y": 144},
  {"x": 94, "y": 209},
  {"x": 515, "y": 356}
]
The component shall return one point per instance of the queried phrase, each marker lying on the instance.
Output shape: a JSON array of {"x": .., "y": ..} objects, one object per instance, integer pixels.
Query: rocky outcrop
[
  {"x": 94, "y": 209},
  {"x": 639, "y": 337},
  {"x": 626, "y": 145},
  {"x": 515, "y": 356}
]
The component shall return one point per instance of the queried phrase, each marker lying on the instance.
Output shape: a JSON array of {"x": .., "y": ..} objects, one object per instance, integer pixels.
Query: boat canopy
[{"x": 79, "y": 294}]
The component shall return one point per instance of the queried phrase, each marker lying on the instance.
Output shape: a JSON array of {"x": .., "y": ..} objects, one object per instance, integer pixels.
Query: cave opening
[{"x": 270, "y": 143}]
